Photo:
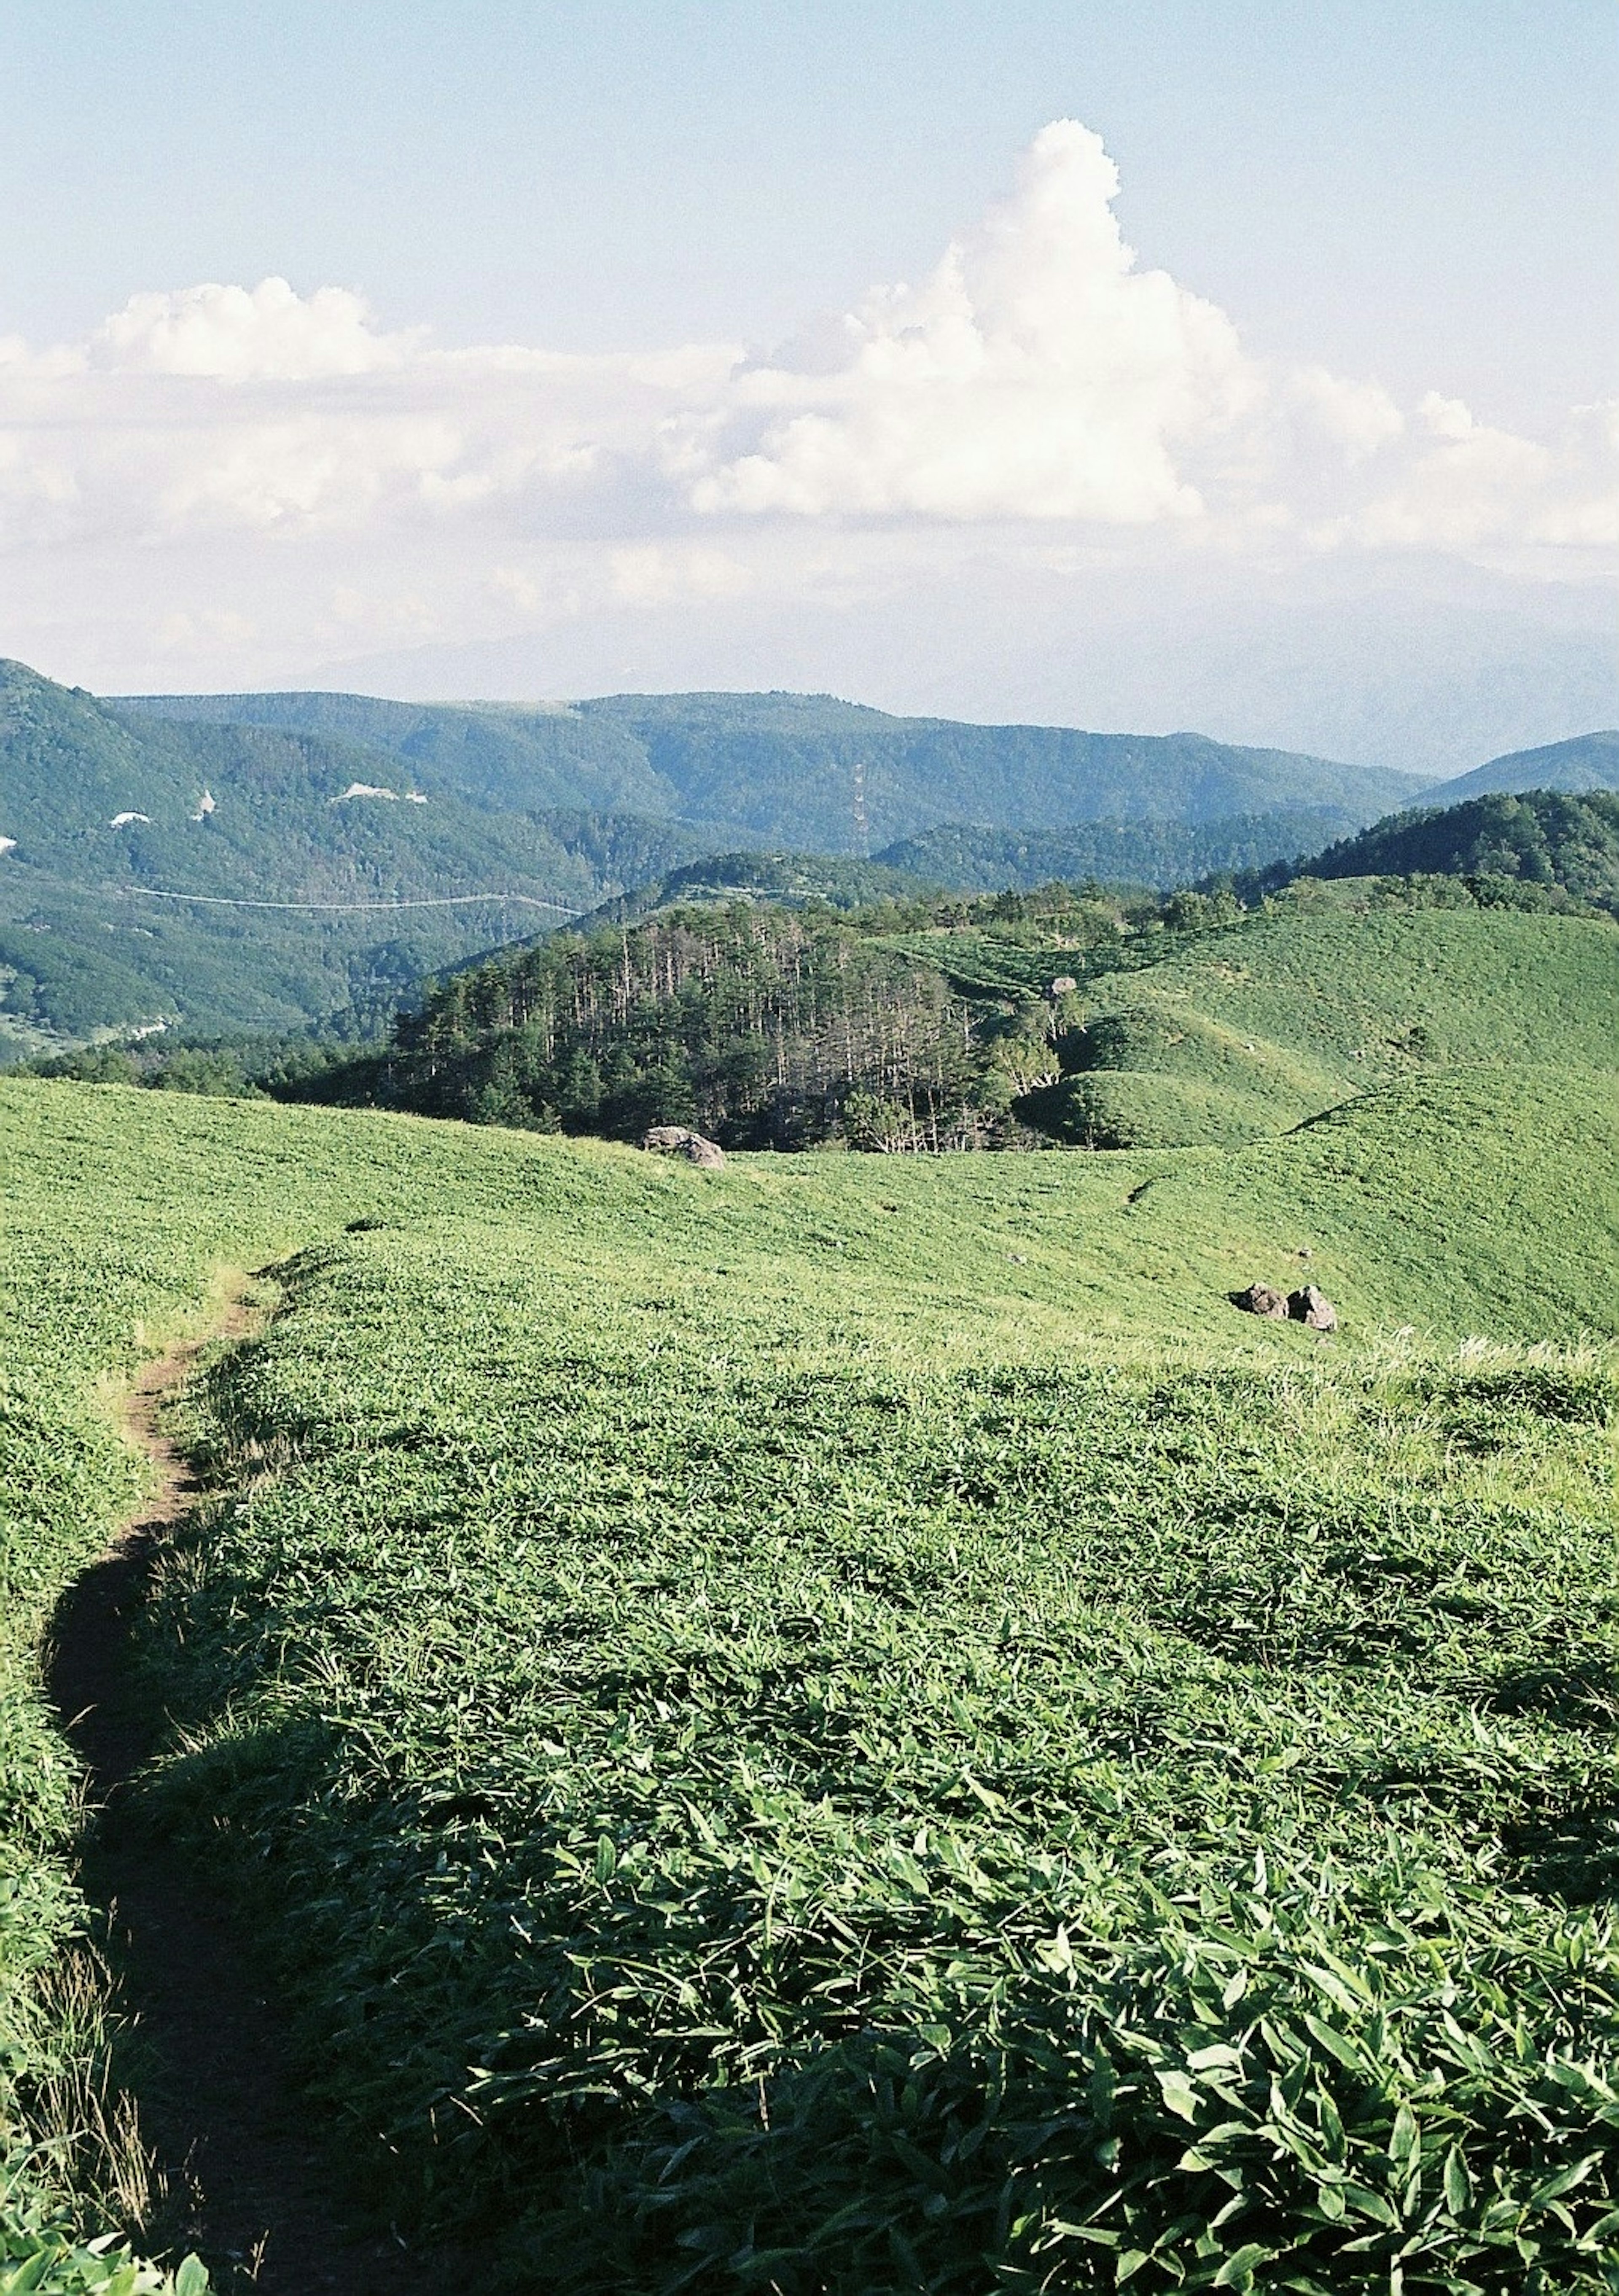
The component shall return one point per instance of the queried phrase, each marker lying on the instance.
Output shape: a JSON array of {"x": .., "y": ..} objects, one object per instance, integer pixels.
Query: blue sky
[
  {"x": 1411, "y": 189},
  {"x": 1243, "y": 365}
]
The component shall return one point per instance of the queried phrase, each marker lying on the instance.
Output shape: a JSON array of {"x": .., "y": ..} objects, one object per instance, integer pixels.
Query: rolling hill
[
  {"x": 1258, "y": 1026},
  {"x": 845, "y": 1723},
  {"x": 965, "y": 1022},
  {"x": 1590, "y": 761},
  {"x": 263, "y": 862}
]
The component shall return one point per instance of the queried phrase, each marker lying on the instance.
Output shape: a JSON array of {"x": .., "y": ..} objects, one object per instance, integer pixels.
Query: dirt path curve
[{"x": 218, "y": 2105}]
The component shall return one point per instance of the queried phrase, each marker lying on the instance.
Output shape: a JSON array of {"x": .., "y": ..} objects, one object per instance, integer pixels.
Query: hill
[
  {"x": 1259, "y": 1026},
  {"x": 1590, "y": 761},
  {"x": 268, "y": 861},
  {"x": 846, "y": 1722},
  {"x": 934, "y": 1021},
  {"x": 782, "y": 768},
  {"x": 224, "y": 876},
  {"x": 1548, "y": 845}
]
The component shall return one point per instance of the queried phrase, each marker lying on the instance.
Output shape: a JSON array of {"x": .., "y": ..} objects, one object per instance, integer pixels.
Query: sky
[{"x": 1106, "y": 363}]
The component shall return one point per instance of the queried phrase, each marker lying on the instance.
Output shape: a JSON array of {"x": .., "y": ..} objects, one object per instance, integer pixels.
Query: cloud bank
[{"x": 242, "y": 465}]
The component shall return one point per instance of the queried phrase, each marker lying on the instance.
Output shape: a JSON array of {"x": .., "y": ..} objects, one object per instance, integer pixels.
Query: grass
[
  {"x": 1250, "y": 1030},
  {"x": 846, "y": 1724}
]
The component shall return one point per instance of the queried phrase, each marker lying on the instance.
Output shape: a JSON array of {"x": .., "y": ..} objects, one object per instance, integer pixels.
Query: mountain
[
  {"x": 228, "y": 876},
  {"x": 1590, "y": 761},
  {"x": 1553, "y": 842},
  {"x": 807, "y": 770},
  {"x": 1156, "y": 853}
]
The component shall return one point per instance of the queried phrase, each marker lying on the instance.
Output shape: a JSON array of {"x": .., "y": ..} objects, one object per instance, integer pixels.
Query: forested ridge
[
  {"x": 1556, "y": 848},
  {"x": 762, "y": 1026}
]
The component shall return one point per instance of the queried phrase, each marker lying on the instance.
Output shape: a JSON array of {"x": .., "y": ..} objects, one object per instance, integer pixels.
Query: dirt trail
[{"x": 219, "y": 2107}]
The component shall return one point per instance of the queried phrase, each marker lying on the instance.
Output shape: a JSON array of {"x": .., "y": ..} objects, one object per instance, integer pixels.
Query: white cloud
[
  {"x": 1037, "y": 374},
  {"x": 241, "y": 334},
  {"x": 251, "y": 477},
  {"x": 1467, "y": 485}
]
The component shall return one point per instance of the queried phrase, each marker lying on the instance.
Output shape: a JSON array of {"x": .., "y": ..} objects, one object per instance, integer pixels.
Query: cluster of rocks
[
  {"x": 1306, "y": 1306},
  {"x": 678, "y": 1140}
]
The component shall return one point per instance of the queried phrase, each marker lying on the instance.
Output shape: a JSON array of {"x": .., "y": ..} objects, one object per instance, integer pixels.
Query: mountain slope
[
  {"x": 1156, "y": 853},
  {"x": 1563, "y": 844},
  {"x": 1257, "y": 1028},
  {"x": 229, "y": 876},
  {"x": 1590, "y": 761},
  {"x": 782, "y": 768}
]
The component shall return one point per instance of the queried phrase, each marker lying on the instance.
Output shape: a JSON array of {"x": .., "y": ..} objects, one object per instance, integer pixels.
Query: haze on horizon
[{"x": 1037, "y": 362}]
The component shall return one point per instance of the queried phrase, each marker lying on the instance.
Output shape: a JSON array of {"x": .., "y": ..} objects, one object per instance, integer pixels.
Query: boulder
[
  {"x": 1260, "y": 1300},
  {"x": 1314, "y": 1308},
  {"x": 680, "y": 1140}
]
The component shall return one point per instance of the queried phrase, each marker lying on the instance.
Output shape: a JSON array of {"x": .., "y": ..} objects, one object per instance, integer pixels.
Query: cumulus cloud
[
  {"x": 1037, "y": 374},
  {"x": 243, "y": 334},
  {"x": 1466, "y": 485},
  {"x": 290, "y": 449}
]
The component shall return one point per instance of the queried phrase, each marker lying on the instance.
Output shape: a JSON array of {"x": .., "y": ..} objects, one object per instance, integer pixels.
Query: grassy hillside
[
  {"x": 1252, "y": 1028},
  {"x": 1590, "y": 761},
  {"x": 847, "y": 1724},
  {"x": 944, "y": 1020},
  {"x": 1547, "y": 846}
]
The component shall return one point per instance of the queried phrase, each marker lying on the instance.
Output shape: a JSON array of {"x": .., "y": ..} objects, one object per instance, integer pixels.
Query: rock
[
  {"x": 1312, "y": 1308},
  {"x": 1260, "y": 1300},
  {"x": 679, "y": 1140}
]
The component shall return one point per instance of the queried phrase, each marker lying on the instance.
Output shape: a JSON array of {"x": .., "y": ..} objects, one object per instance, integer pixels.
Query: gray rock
[
  {"x": 1314, "y": 1308},
  {"x": 1261, "y": 1300},
  {"x": 680, "y": 1140}
]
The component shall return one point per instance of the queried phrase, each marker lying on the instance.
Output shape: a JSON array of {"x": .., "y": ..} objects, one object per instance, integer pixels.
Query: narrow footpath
[{"x": 218, "y": 2105}]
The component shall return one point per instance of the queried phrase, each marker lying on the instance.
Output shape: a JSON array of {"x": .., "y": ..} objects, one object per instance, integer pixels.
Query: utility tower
[{"x": 861, "y": 834}]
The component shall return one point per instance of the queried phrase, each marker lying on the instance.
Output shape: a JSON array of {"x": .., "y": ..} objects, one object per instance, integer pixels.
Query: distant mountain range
[
  {"x": 262, "y": 861},
  {"x": 804, "y": 770}
]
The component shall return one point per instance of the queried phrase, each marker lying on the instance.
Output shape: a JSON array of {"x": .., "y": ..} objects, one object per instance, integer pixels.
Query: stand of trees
[{"x": 762, "y": 1027}]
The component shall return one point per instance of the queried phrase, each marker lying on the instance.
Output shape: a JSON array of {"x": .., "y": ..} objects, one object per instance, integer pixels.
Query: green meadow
[
  {"x": 847, "y": 1724},
  {"x": 1246, "y": 1031}
]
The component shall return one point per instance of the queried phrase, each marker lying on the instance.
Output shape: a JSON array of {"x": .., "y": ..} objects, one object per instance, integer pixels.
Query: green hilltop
[{"x": 1548, "y": 845}]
